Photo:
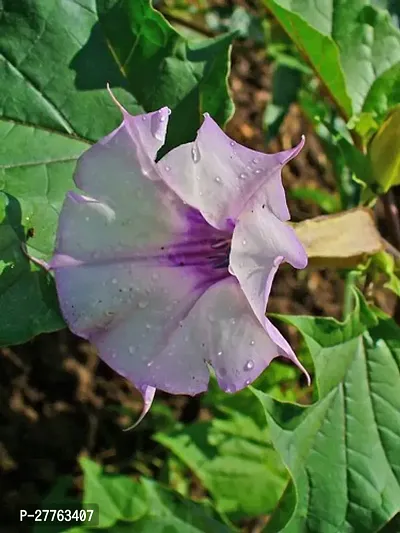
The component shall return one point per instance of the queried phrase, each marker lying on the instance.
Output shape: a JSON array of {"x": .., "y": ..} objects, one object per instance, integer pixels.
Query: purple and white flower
[{"x": 167, "y": 267}]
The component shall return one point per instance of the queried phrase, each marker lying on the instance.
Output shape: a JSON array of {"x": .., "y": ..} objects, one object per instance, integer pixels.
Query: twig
[{"x": 191, "y": 25}]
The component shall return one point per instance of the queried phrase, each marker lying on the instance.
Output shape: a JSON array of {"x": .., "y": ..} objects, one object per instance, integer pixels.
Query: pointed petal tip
[
  {"x": 301, "y": 367},
  {"x": 148, "y": 394},
  {"x": 290, "y": 154},
  {"x": 120, "y": 106}
]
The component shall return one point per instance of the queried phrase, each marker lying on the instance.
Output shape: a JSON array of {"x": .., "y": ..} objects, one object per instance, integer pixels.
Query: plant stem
[{"x": 348, "y": 298}]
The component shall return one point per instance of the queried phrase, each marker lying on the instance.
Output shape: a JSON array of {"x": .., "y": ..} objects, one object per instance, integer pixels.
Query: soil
[{"x": 59, "y": 401}]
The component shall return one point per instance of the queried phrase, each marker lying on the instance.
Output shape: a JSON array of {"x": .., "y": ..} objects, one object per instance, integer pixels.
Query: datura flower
[{"x": 167, "y": 267}]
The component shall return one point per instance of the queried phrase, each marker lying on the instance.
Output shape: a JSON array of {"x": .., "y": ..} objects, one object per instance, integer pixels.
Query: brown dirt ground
[{"x": 58, "y": 400}]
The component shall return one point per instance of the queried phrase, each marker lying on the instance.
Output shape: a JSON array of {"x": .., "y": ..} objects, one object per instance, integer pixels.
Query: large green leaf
[
  {"x": 344, "y": 451},
  {"x": 118, "y": 497},
  {"x": 232, "y": 456},
  {"x": 353, "y": 47},
  {"x": 150, "y": 506},
  {"x": 126, "y": 505},
  {"x": 55, "y": 61}
]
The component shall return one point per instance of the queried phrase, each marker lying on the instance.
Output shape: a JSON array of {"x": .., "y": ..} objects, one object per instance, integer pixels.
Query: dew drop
[
  {"x": 143, "y": 304},
  {"x": 257, "y": 171},
  {"x": 232, "y": 143},
  {"x": 254, "y": 161},
  {"x": 249, "y": 365},
  {"x": 247, "y": 382},
  {"x": 219, "y": 353},
  {"x": 217, "y": 179},
  {"x": 149, "y": 363},
  {"x": 252, "y": 343},
  {"x": 162, "y": 119},
  {"x": 244, "y": 242},
  {"x": 114, "y": 281},
  {"x": 132, "y": 349},
  {"x": 167, "y": 168},
  {"x": 87, "y": 219},
  {"x": 148, "y": 326},
  {"x": 195, "y": 154},
  {"x": 243, "y": 176},
  {"x": 113, "y": 355},
  {"x": 157, "y": 127},
  {"x": 233, "y": 321},
  {"x": 144, "y": 118}
]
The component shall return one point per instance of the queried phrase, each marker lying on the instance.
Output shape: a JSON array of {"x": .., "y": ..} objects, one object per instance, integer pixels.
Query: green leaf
[
  {"x": 152, "y": 508},
  {"x": 286, "y": 83},
  {"x": 232, "y": 456},
  {"x": 27, "y": 293},
  {"x": 327, "y": 201},
  {"x": 353, "y": 47},
  {"x": 55, "y": 62},
  {"x": 343, "y": 451},
  {"x": 118, "y": 497},
  {"x": 384, "y": 153},
  {"x": 169, "y": 512}
]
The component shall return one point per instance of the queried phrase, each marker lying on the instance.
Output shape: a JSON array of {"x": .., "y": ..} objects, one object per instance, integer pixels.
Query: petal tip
[
  {"x": 148, "y": 393},
  {"x": 120, "y": 106}
]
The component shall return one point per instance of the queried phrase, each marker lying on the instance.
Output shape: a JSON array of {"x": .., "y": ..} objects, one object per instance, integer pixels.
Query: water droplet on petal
[
  {"x": 219, "y": 353},
  {"x": 143, "y": 304},
  {"x": 217, "y": 179},
  {"x": 113, "y": 355},
  {"x": 149, "y": 363},
  {"x": 257, "y": 171},
  {"x": 144, "y": 118},
  {"x": 167, "y": 168},
  {"x": 233, "y": 321},
  {"x": 232, "y": 143},
  {"x": 114, "y": 281},
  {"x": 87, "y": 219},
  {"x": 158, "y": 126},
  {"x": 249, "y": 365},
  {"x": 243, "y": 176},
  {"x": 247, "y": 382},
  {"x": 132, "y": 349},
  {"x": 244, "y": 242},
  {"x": 252, "y": 343},
  {"x": 254, "y": 161},
  {"x": 148, "y": 326},
  {"x": 195, "y": 154}
]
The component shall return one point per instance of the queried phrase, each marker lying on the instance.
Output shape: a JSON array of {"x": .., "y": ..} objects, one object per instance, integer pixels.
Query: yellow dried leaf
[{"x": 341, "y": 240}]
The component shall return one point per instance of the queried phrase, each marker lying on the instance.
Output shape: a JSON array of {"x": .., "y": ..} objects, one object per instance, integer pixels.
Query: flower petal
[
  {"x": 222, "y": 329},
  {"x": 218, "y": 176},
  {"x": 260, "y": 243},
  {"x": 118, "y": 254}
]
